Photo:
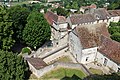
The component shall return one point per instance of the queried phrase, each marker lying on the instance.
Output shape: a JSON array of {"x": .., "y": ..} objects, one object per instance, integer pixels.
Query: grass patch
[
  {"x": 59, "y": 73},
  {"x": 95, "y": 71},
  {"x": 64, "y": 59}
]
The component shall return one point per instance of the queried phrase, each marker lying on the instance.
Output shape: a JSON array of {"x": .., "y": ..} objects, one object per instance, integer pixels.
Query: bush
[{"x": 26, "y": 50}]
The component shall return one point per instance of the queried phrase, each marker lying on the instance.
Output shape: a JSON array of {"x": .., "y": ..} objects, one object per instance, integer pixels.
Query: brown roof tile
[
  {"x": 89, "y": 34},
  {"x": 114, "y": 13},
  {"x": 61, "y": 19},
  {"x": 51, "y": 17},
  {"x": 37, "y": 63},
  {"x": 82, "y": 18},
  {"x": 110, "y": 48},
  {"x": 101, "y": 13}
]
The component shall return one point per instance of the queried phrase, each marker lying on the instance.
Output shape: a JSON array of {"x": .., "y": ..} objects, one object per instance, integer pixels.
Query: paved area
[
  {"x": 70, "y": 56},
  {"x": 96, "y": 66}
]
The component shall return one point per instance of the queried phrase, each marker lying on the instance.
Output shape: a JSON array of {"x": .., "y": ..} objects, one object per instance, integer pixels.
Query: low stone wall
[
  {"x": 46, "y": 69},
  {"x": 50, "y": 59}
]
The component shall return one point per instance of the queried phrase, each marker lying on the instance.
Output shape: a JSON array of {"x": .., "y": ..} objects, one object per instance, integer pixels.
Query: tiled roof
[
  {"x": 91, "y": 6},
  {"x": 61, "y": 19},
  {"x": 101, "y": 13},
  {"x": 114, "y": 13},
  {"x": 110, "y": 48},
  {"x": 51, "y": 17},
  {"x": 89, "y": 34},
  {"x": 82, "y": 18},
  {"x": 37, "y": 63}
]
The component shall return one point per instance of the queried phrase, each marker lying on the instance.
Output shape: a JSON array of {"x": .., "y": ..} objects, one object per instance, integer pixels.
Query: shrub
[{"x": 26, "y": 50}]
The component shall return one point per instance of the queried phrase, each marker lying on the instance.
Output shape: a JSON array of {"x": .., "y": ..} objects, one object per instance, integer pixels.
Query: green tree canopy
[
  {"x": 61, "y": 11},
  {"x": 19, "y": 16},
  {"x": 116, "y": 36},
  {"x": 75, "y": 5},
  {"x": 113, "y": 76},
  {"x": 12, "y": 67},
  {"x": 114, "y": 30},
  {"x": 6, "y": 32},
  {"x": 37, "y": 30}
]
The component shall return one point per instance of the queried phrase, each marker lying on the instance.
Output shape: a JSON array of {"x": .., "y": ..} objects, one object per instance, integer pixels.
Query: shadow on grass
[
  {"x": 74, "y": 77},
  {"x": 27, "y": 75}
]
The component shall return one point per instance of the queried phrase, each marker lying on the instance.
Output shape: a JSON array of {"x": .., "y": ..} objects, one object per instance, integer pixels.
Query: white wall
[
  {"x": 34, "y": 71},
  {"x": 75, "y": 46},
  {"x": 55, "y": 56},
  {"x": 88, "y": 55},
  {"x": 115, "y": 19},
  {"x": 63, "y": 38},
  {"x": 63, "y": 25},
  {"x": 73, "y": 26},
  {"x": 100, "y": 59}
]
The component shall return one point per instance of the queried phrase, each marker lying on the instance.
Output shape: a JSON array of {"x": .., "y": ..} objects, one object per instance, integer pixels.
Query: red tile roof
[
  {"x": 110, "y": 48},
  {"x": 61, "y": 19},
  {"x": 114, "y": 13},
  {"x": 89, "y": 34},
  {"x": 82, "y": 18},
  {"x": 37, "y": 63},
  {"x": 52, "y": 17}
]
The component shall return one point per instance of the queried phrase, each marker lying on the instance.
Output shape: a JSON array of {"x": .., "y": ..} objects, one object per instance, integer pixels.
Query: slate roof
[
  {"x": 89, "y": 35},
  {"x": 110, "y": 48},
  {"x": 101, "y": 13},
  {"x": 82, "y": 18},
  {"x": 37, "y": 63},
  {"x": 52, "y": 17},
  {"x": 114, "y": 13}
]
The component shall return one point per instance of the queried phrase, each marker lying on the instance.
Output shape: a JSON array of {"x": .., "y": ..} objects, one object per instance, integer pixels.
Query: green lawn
[
  {"x": 95, "y": 71},
  {"x": 59, "y": 73},
  {"x": 62, "y": 72}
]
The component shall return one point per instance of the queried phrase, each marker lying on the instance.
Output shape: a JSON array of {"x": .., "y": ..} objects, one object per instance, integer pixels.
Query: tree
[
  {"x": 37, "y": 30},
  {"x": 114, "y": 30},
  {"x": 19, "y": 16},
  {"x": 114, "y": 4},
  {"x": 12, "y": 67},
  {"x": 6, "y": 32},
  {"x": 116, "y": 36},
  {"x": 75, "y": 5},
  {"x": 61, "y": 11},
  {"x": 113, "y": 76}
]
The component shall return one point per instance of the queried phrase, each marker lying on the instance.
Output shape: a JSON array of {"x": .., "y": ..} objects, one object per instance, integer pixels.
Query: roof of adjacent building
[
  {"x": 101, "y": 14},
  {"x": 81, "y": 18},
  {"x": 89, "y": 34},
  {"x": 110, "y": 48},
  {"x": 91, "y": 6},
  {"x": 52, "y": 17},
  {"x": 37, "y": 63},
  {"x": 114, "y": 13},
  {"x": 53, "y": 0}
]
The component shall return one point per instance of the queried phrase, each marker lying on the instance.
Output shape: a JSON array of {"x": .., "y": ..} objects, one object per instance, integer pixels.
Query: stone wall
[{"x": 47, "y": 69}]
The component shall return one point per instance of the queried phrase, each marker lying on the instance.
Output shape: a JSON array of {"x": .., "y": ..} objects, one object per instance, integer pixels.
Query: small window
[
  {"x": 118, "y": 70},
  {"x": 57, "y": 43},
  {"x": 87, "y": 58}
]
